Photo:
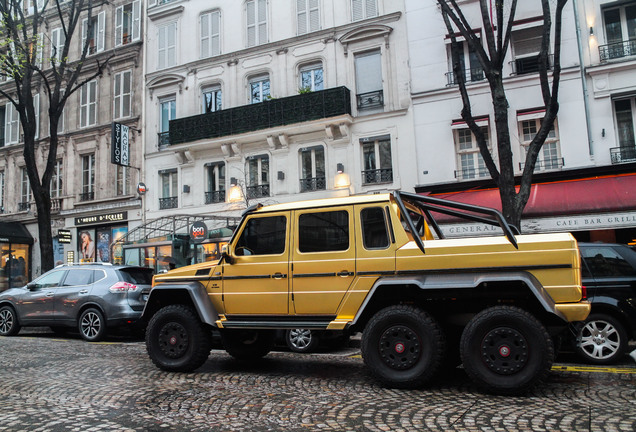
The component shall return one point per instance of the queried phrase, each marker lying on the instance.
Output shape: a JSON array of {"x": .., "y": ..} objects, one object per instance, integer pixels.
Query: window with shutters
[
  {"x": 12, "y": 125},
  {"x": 93, "y": 33},
  {"x": 311, "y": 77},
  {"x": 57, "y": 44},
  {"x": 167, "y": 46},
  {"x": 210, "y": 27},
  {"x": 256, "y": 13},
  {"x": 362, "y": 9},
  {"x": 369, "y": 88},
  {"x": 308, "y": 15},
  {"x": 88, "y": 104},
  {"x": 211, "y": 99},
  {"x": 122, "y": 94},
  {"x": 128, "y": 23},
  {"x": 526, "y": 45}
]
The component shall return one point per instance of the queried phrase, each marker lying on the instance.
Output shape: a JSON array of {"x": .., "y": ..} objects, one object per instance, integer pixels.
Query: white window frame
[
  {"x": 256, "y": 22},
  {"x": 36, "y": 111},
  {"x": 57, "y": 44},
  {"x": 551, "y": 147},
  {"x": 122, "y": 99},
  {"x": 363, "y": 9},
  {"x": 313, "y": 175},
  {"x": 25, "y": 186},
  {"x": 57, "y": 179},
  {"x": 467, "y": 149},
  {"x": 99, "y": 28},
  {"x": 167, "y": 100},
  {"x": 88, "y": 173},
  {"x": 264, "y": 93},
  {"x": 88, "y": 105},
  {"x": 378, "y": 160},
  {"x": 12, "y": 125},
  {"x": 214, "y": 181},
  {"x": 262, "y": 177},
  {"x": 122, "y": 175},
  {"x": 1, "y": 191},
  {"x": 307, "y": 16},
  {"x": 170, "y": 179},
  {"x": 210, "y": 34},
  {"x": 217, "y": 96},
  {"x": 167, "y": 51},
  {"x": 129, "y": 12},
  {"x": 311, "y": 70}
]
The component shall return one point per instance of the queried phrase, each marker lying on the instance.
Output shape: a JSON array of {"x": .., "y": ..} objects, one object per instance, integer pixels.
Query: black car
[
  {"x": 609, "y": 274},
  {"x": 89, "y": 297}
]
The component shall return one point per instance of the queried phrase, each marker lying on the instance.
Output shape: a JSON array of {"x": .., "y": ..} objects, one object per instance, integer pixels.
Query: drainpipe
[{"x": 586, "y": 104}]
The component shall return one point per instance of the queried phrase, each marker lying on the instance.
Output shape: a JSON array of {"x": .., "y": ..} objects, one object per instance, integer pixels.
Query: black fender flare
[
  {"x": 459, "y": 281},
  {"x": 197, "y": 293}
]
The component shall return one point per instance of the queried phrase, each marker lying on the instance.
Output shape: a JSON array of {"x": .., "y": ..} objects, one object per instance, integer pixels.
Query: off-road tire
[
  {"x": 601, "y": 340},
  {"x": 247, "y": 345},
  {"x": 506, "y": 350},
  {"x": 403, "y": 346},
  {"x": 177, "y": 340},
  {"x": 9, "y": 325},
  {"x": 92, "y": 325},
  {"x": 302, "y": 340}
]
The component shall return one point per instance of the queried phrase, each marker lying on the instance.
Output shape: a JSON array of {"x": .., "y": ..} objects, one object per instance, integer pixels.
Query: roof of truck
[{"x": 327, "y": 202}]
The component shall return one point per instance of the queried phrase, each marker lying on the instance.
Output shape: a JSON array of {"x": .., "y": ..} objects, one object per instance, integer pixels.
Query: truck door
[
  {"x": 376, "y": 242},
  {"x": 257, "y": 281},
  {"x": 323, "y": 259}
]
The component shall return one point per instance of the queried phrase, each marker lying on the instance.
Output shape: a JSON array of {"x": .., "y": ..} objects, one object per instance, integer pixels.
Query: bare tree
[
  {"x": 60, "y": 75},
  {"x": 497, "y": 29}
]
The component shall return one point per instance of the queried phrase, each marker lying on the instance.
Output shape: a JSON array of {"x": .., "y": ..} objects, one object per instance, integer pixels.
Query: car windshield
[{"x": 137, "y": 275}]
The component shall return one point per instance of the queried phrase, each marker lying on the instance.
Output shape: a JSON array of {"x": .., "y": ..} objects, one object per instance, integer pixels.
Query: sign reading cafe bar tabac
[{"x": 119, "y": 145}]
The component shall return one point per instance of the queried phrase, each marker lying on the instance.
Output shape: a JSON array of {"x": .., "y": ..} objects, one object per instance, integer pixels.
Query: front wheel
[
  {"x": 247, "y": 345},
  {"x": 506, "y": 350},
  {"x": 91, "y": 325},
  {"x": 403, "y": 346},
  {"x": 9, "y": 325},
  {"x": 176, "y": 340},
  {"x": 602, "y": 340}
]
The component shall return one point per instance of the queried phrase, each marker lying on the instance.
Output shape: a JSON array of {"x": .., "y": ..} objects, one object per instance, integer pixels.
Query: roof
[{"x": 326, "y": 202}]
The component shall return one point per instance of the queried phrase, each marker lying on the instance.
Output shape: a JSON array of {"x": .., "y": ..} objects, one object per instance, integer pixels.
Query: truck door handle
[
  {"x": 344, "y": 273},
  {"x": 279, "y": 276}
]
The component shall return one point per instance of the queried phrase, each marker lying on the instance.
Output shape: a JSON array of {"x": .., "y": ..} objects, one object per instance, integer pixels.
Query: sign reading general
[{"x": 119, "y": 147}]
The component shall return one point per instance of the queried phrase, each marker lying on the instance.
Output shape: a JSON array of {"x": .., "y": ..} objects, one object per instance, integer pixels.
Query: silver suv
[{"x": 89, "y": 297}]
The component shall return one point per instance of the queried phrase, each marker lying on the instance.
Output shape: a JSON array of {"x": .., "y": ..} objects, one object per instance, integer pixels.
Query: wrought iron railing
[
  {"x": 623, "y": 154},
  {"x": 163, "y": 139},
  {"x": 617, "y": 50},
  {"x": 471, "y": 173},
  {"x": 87, "y": 196},
  {"x": 526, "y": 65},
  {"x": 313, "y": 184},
  {"x": 275, "y": 112},
  {"x": 545, "y": 164},
  {"x": 470, "y": 75},
  {"x": 168, "y": 203},
  {"x": 24, "y": 206},
  {"x": 383, "y": 175},
  {"x": 372, "y": 99},
  {"x": 215, "y": 197},
  {"x": 259, "y": 191}
]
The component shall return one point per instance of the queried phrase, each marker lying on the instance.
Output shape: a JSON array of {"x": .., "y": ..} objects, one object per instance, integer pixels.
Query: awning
[
  {"x": 14, "y": 232},
  {"x": 588, "y": 195}
]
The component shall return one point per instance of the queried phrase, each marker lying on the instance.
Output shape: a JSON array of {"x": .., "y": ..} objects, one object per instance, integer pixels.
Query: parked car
[
  {"x": 90, "y": 297},
  {"x": 609, "y": 274}
]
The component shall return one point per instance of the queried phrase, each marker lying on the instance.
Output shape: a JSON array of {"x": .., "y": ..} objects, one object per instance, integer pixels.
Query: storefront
[
  {"x": 95, "y": 234},
  {"x": 16, "y": 243}
]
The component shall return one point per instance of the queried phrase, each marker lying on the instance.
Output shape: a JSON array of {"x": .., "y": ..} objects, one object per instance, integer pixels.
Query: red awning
[{"x": 588, "y": 195}]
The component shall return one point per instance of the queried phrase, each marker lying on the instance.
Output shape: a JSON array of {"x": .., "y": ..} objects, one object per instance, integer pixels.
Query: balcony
[
  {"x": 215, "y": 197},
  {"x": 372, "y": 99},
  {"x": 470, "y": 75},
  {"x": 526, "y": 65},
  {"x": 623, "y": 154},
  {"x": 168, "y": 203},
  {"x": 617, "y": 50},
  {"x": 259, "y": 191},
  {"x": 546, "y": 165},
  {"x": 24, "y": 206},
  {"x": 313, "y": 184},
  {"x": 472, "y": 173},
  {"x": 87, "y": 196},
  {"x": 248, "y": 118},
  {"x": 384, "y": 175}
]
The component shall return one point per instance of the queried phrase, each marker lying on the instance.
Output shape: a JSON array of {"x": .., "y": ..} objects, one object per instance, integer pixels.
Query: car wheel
[
  {"x": 9, "y": 325},
  {"x": 301, "y": 340},
  {"x": 92, "y": 325},
  {"x": 506, "y": 350},
  {"x": 247, "y": 345},
  {"x": 601, "y": 340},
  {"x": 177, "y": 340},
  {"x": 403, "y": 346}
]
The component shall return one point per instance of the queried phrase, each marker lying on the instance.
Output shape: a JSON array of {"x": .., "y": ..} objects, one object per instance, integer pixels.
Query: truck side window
[
  {"x": 323, "y": 232},
  {"x": 374, "y": 230},
  {"x": 263, "y": 236}
]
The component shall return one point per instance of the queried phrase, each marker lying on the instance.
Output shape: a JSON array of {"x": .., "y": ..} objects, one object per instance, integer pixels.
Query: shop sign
[
  {"x": 64, "y": 236},
  {"x": 101, "y": 219},
  {"x": 198, "y": 232},
  {"x": 119, "y": 147}
]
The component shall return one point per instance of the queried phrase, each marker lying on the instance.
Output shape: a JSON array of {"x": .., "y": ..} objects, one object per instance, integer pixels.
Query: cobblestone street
[{"x": 65, "y": 384}]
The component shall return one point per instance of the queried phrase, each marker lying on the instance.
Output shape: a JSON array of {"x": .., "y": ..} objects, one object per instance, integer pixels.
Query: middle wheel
[
  {"x": 247, "y": 345},
  {"x": 403, "y": 346}
]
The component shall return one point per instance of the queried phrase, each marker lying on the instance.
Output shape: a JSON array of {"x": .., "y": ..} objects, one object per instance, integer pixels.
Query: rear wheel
[
  {"x": 247, "y": 345},
  {"x": 176, "y": 340},
  {"x": 506, "y": 350},
  {"x": 301, "y": 340},
  {"x": 9, "y": 325},
  {"x": 92, "y": 325},
  {"x": 403, "y": 346},
  {"x": 601, "y": 340}
]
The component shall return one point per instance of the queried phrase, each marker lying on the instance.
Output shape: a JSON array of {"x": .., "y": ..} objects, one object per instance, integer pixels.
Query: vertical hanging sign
[{"x": 119, "y": 147}]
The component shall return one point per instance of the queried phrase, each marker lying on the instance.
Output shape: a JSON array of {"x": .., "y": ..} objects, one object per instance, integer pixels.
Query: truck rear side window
[
  {"x": 263, "y": 236},
  {"x": 374, "y": 230},
  {"x": 323, "y": 232}
]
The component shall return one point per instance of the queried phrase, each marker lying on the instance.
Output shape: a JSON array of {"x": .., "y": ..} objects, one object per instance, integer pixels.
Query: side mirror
[
  {"x": 31, "y": 286},
  {"x": 226, "y": 257}
]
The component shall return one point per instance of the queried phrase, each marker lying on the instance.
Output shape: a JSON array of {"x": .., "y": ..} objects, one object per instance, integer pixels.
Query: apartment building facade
[
  {"x": 94, "y": 201},
  {"x": 584, "y": 179}
]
